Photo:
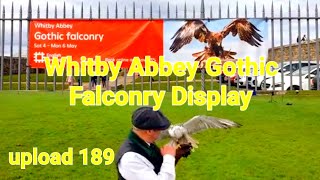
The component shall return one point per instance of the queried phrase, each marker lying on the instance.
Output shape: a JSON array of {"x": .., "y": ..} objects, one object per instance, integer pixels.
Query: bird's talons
[{"x": 178, "y": 146}]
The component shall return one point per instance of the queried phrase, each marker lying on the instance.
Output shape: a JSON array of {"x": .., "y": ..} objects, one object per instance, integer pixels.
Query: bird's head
[
  {"x": 218, "y": 50},
  {"x": 177, "y": 132}
]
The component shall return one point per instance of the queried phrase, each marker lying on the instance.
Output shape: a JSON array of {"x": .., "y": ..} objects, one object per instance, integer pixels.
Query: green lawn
[{"x": 276, "y": 141}]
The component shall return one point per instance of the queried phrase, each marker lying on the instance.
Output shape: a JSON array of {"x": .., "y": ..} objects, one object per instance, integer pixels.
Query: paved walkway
[{"x": 120, "y": 82}]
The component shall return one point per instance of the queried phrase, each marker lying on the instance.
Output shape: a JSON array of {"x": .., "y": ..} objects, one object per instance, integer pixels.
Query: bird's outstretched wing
[
  {"x": 200, "y": 123},
  {"x": 246, "y": 30},
  {"x": 184, "y": 35}
]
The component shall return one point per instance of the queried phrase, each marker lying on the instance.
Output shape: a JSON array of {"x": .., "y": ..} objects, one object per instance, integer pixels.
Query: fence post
[
  {"x": 255, "y": 77},
  {"x": 299, "y": 33},
  {"x": 37, "y": 70},
  {"x": 141, "y": 77},
  {"x": 2, "y": 49},
  {"x": 55, "y": 72},
  {"x": 211, "y": 77},
  {"x": 281, "y": 44},
  {"x": 11, "y": 50},
  {"x": 133, "y": 16},
  {"x": 168, "y": 77},
  {"x": 28, "y": 57},
  {"x": 151, "y": 17},
  {"x": 64, "y": 75},
  {"x": 308, "y": 40},
  {"x": 317, "y": 48},
  {"x": 272, "y": 40},
  {"x": 20, "y": 46},
  {"x": 1, "y": 65},
  {"x": 203, "y": 68},
  {"x": 142, "y": 13},
  {"x": 220, "y": 75},
  {"x": 45, "y": 72},
  {"x": 116, "y": 81},
  {"x": 290, "y": 44}
]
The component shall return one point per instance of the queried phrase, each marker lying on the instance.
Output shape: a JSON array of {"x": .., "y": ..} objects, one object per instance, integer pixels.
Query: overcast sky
[{"x": 177, "y": 4}]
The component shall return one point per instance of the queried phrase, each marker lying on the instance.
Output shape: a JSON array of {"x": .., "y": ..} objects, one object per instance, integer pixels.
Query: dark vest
[{"x": 137, "y": 145}]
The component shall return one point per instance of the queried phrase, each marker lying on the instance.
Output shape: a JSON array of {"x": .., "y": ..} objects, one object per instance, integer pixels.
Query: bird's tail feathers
[
  {"x": 197, "y": 54},
  {"x": 194, "y": 143}
]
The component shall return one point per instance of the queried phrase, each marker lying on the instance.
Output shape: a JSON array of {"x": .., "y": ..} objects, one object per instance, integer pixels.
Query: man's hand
[
  {"x": 168, "y": 149},
  {"x": 183, "y": 151}
]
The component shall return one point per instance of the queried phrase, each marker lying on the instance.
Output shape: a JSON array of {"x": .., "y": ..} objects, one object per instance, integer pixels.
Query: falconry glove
[{"x": 183, "y": 151}]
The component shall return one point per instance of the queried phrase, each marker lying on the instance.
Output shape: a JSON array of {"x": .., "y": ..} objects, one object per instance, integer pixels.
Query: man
[{"x": 139, "y": 158}]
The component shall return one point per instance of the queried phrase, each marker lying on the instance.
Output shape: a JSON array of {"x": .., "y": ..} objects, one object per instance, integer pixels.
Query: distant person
[
  {"x": 70, "y": 80},
  {"x": 79, "y": 81},
  {"x": 103, "y": 79},
  {"x": 93, "y": 81},
  {"x": 298, "y": 39},
  {"x": 304, "y": 38},
  {"x": 314, "y": 83}
]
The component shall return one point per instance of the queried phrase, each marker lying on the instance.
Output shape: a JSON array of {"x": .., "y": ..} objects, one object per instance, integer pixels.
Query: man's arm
[{"x": 135, "y": 166}]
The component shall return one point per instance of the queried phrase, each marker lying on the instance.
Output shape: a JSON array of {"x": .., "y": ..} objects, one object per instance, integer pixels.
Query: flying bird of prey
[
  {"x": 197, "y": 29},
  {"x": 181, "y": 133}
]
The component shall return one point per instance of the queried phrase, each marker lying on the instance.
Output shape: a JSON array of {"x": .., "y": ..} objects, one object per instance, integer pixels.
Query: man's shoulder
[
  {"x": 126, "y": 146},
  {"x": 133, "y": 157}
]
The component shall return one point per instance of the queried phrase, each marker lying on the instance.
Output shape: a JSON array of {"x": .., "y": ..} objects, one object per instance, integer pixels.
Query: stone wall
[
  {"x": 295, "y": 51},
  {"x": 15, "y": 62}
]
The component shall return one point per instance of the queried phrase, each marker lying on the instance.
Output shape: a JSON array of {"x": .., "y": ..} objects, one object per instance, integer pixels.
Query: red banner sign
[{"x": 113, "y": 40}]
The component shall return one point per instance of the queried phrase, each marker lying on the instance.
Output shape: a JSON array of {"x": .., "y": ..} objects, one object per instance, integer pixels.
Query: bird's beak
[{"x": 201, "y": 39}]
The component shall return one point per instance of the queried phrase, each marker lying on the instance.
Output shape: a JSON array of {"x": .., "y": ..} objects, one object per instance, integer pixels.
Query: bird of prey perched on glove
[
  {"x": 181, "y": 133},
  {"x": 197, "y": 29}
]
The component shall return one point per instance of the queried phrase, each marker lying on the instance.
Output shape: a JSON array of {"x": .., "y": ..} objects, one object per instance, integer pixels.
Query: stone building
[{"x": 295, "y": 52}]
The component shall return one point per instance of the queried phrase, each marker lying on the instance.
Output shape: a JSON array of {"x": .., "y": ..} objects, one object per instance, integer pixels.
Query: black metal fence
[{"x": 16, "y": 73}]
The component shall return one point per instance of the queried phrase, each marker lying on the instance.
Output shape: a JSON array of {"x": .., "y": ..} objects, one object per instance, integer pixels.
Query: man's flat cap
[{"x": 145, "y": 118}]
